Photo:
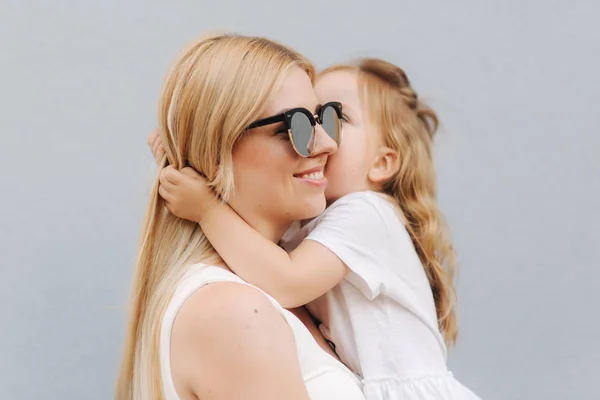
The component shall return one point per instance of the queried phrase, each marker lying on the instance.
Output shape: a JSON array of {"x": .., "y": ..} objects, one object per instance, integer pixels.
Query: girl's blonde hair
[
  {"x": 408, "y": 127},
  {"x": 215, "y": 89}
]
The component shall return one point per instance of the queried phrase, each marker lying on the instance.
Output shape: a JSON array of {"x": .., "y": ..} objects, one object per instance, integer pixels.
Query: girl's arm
[{"x": 292, "y": 279}]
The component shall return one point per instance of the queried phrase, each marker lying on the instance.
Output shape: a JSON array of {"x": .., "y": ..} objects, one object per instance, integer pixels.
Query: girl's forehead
[{"x": 337, "y": 86}]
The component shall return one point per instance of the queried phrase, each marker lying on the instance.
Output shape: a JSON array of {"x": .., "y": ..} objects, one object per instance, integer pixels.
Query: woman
[{"x": 195, "y": 329}]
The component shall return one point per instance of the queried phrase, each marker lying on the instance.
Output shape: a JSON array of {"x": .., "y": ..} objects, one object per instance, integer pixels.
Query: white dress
[
  {"x": 381, "y": 318},
  {"x": 324, "y": 376}
]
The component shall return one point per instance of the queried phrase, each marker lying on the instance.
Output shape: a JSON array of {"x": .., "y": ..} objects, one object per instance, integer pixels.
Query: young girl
[{"x": 376, "y": 267}]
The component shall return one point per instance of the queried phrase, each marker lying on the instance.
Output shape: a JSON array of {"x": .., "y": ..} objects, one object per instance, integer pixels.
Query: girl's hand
[{"x": 186, "y": 193}]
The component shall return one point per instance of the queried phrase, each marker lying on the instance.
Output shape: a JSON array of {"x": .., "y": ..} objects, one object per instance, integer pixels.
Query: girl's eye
[{"x": 345, "y": 118}]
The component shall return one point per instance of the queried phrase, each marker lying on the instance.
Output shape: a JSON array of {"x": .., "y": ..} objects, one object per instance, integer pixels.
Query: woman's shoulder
[
  {"x": 218, "y": 294},
  {"x": 222, "y": 323},
  {"x": 229, "y": 320},
  {"x": 224, "y": 305}
]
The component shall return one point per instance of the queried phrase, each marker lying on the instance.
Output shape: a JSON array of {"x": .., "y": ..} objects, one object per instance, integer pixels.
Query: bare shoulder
[
  {"x": 225, "y": 305},
  {"x": 230, "y": 332}
]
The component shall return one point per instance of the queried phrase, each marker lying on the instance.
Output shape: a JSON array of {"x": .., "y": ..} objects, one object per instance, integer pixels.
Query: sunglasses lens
[
  {"x": 302, "y": 133},
  {"x": 331, "y": 123}
]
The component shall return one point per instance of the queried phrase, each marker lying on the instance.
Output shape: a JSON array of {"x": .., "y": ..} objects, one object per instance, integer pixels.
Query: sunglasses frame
[{"x": 286, "y": 118}]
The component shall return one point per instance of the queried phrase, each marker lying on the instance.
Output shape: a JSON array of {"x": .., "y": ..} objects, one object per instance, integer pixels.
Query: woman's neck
[
  {"x": 273, "y": 232},
  {"x": 267, "y": 227}
]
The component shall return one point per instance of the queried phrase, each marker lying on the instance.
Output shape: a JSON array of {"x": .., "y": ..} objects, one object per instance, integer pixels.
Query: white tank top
[{"x": 324, "y": 376}]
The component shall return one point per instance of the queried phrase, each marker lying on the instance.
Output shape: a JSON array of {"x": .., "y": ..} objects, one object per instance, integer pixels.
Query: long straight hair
[{"x": 216, "y": 87}]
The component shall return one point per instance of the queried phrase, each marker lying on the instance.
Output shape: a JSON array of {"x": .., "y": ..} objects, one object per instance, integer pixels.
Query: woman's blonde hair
[
  {"x": 408, "y": 127},
  {"x": 215, "y": 89}
]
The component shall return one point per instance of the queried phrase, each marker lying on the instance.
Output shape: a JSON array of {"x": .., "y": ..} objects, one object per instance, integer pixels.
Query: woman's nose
[{"x": 322, "y": 142}]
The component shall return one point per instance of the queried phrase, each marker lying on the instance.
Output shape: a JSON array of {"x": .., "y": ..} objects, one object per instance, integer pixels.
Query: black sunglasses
[{"x": 300, "y": 125}]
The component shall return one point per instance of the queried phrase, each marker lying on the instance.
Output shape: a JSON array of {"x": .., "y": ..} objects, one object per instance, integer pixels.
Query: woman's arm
[
  {"x": 292, "y": 279},
  {"x": 229, "y": 342}
]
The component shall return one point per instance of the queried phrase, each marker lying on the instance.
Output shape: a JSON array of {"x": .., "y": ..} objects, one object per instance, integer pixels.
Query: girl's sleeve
[{"x": 354, "y": 229}]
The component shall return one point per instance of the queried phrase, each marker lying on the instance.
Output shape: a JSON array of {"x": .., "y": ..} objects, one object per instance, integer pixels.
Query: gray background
[{"x": 516, "y": 86}]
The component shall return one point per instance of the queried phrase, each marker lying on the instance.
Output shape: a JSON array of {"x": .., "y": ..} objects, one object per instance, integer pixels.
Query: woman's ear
[{"x": 386, "y": 164}]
